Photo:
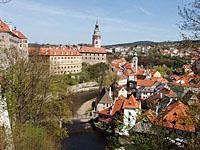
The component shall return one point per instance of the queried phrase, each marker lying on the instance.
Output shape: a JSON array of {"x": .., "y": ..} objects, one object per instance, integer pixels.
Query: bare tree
[{"x": 191, "y": 18}]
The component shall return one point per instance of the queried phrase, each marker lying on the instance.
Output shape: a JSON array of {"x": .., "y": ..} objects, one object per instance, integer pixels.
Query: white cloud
[{"x": 148, "y": 13}]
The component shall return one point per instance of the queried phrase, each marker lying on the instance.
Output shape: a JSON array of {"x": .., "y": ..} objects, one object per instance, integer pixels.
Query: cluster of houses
[
  {"x": 180, "y": 52},
  {"x": 144, "y": 92}
]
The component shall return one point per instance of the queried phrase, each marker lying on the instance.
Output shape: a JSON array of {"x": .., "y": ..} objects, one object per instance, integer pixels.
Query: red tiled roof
[
  {"x": 117, "y": 107},
  {"x": 140, "y": 71},
  {"x": 105, "y": 111},
  {"x": 19, "y": 34},
  {"x": 153, "y": 71},
  {"x": 145, "y": 83},
  {"x": 55, "y": 51},
  {"x": 176, "y": 116},
  {"x": 4, "y": 27},
  {"x": 86, "y": 49},
  {"x": 159, "y": 79},
  {"x": 131, "y": 103},
  {"x": 128, "y": 66}
]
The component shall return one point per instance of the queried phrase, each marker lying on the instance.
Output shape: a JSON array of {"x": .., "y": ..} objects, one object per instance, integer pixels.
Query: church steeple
[{"x": 96, "y": 38}]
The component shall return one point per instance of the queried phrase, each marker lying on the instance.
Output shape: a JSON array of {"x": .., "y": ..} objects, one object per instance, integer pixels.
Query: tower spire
[{"x": 96, "y": 38}]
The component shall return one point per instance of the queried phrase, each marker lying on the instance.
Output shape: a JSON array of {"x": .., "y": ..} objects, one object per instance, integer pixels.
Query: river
[
  {"x": 87, "y": 139},
  {"x": 82, "y": 136}
]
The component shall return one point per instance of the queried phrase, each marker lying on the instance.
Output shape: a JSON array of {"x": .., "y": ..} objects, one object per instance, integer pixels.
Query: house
[
  {"x": 122, "y": 80},
  {"x": 191, "y": 98},
  {"x": 131, "y": 109},
  {"x": 10, "y": 37},
  {"x": 154, "y": 73},
  {"x": 177, "y": 117},
  {"x": 160, "y": 100},
  {"x": 187, "y": 68},
  {"x": 103, "y": 100},
  {"x": 122, "y": 92}
]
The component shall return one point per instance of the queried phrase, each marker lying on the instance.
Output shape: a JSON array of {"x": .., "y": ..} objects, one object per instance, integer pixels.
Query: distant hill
[
  {"x": 151, "y": 43},
  {"x": 141, "y": 43}
]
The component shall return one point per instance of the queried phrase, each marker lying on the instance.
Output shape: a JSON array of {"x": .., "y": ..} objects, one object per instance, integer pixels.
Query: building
[
  {"x": 61, "y": 60},
  {"x": 10, "y": 37},
  {"x": 95, "y": 53},
  {"x": 103, "y": 100},
  {"x": 131, "y": 109}
]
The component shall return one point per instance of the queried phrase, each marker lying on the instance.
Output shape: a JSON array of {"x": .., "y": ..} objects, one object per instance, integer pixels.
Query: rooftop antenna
[{"x": 4, "y": 1}]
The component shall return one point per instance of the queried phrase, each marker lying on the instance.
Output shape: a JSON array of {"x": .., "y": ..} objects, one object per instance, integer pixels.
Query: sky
[{"x": 73, "y": 21}]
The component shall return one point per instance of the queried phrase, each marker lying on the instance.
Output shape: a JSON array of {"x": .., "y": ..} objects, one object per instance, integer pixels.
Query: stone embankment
[{"x": 83, "y": 87}]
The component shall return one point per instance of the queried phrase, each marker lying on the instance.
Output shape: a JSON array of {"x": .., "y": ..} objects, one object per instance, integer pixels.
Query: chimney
[
  {"x": 161, "y": 95},
  {"x": 157, "y": 110},
  {"x": 110, "y": 92},
  {"x": 10, "y": 27}
]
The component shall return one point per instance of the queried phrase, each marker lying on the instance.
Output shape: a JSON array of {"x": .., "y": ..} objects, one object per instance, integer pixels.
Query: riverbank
[{"x": 81, "y": 135}]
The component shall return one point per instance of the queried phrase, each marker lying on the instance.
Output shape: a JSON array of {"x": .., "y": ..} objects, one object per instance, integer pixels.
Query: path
[
  {"x": 85, "y": 107},
  {"x": 82, "y": 115}
]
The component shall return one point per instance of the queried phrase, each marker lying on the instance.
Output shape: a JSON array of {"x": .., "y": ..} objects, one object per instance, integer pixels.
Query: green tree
[{"x": 31, "y": 100}]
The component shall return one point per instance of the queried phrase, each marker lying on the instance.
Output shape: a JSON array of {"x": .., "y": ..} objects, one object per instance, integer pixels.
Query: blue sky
[{"x": 72, "y": 21}]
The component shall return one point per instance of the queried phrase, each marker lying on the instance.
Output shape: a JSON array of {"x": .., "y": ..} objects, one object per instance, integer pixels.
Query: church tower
[
  {"x": 135, "y": 62},
  {"x": 96, "y": 38}
]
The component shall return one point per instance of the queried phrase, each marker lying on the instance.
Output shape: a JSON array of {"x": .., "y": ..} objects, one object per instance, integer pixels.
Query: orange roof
[
  {"x": 176, "y": 116},
  {"x": 140, "y": 71},
  {"x": 117, "y": 107},
  {"x": 153, "y": 71},
  {"x": 159, "y": 79},
  {"x": 131, "y": 103},
  {"x": 145, "y": 83},
  {"x": 105, "y": 111},
  {"x": 5, "y": 28},
  {"x": 55, "y": 51},
  {"x": 128, "y": 72},
  {"x": 128, "y": 66},
  {"x": 86, "y": 49},
  {"x": 19, "y": 34}
]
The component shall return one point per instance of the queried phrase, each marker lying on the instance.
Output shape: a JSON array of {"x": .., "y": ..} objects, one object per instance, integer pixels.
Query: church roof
[{"x": 96, "y": 30}]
